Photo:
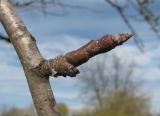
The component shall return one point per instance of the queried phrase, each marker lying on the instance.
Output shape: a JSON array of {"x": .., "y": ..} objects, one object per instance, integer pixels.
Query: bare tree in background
[
  {"x": 139, "y": 10},
  {"x": 101, "y": 75},
  {"x": 110, "y": 85},
  {"x": 93, "y": 82}
]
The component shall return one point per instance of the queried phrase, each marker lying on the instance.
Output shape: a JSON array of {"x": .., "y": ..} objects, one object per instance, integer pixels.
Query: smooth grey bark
[{"x": 30, "y": 58}]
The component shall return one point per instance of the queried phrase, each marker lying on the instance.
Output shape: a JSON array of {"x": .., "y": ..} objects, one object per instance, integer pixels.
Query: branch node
[{"x": 58, "y": 66}]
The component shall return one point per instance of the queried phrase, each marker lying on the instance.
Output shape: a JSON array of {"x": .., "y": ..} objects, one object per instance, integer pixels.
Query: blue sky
[{"x": 57, "y": 35}]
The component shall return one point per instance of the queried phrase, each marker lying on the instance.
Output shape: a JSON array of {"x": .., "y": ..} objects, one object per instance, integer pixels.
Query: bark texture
[
  {"x": 30, "y": 58},
  {"x": 37, "y": 69}
]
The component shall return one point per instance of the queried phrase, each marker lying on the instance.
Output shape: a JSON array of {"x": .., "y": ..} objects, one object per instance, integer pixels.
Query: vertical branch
[{"x": 30, "y": 58}]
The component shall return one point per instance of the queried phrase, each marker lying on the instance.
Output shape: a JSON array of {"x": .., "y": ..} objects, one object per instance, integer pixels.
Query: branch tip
[
  {"x": 121, "y": 38},
  {"x": 66, "y": 65}
]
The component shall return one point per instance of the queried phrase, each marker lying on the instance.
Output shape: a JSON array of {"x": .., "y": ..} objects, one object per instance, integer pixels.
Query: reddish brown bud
[{"x": 94, "y": 47}]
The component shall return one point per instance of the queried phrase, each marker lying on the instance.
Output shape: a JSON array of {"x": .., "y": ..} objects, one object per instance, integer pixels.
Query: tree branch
[
  {"x": 4, "y": 38},
  {"x": 30, "y": 57},
  {"x": 65, "y": 65}
]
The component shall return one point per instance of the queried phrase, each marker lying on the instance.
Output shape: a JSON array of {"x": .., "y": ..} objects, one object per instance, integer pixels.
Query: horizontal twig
[
  {"x": 4, "y": 38},
  {"x": 95, "y": 47},
  {"x": 66, "y": 65}
]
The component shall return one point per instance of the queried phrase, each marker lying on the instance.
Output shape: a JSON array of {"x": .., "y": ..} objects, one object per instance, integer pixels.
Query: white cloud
[
  {"x": 61, "y": 45},
  {"x": 66, "y": 94}
]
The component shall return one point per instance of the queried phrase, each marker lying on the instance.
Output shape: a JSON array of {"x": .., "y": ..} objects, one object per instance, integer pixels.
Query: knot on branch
[{"x": 58, "y": 66}]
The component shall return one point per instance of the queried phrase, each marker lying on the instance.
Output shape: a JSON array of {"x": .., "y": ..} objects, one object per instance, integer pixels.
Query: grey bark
[{"x": 30, "y": 57}]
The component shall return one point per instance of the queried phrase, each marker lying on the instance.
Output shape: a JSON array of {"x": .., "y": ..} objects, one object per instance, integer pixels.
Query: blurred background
[{"x": 123, "y": 82}]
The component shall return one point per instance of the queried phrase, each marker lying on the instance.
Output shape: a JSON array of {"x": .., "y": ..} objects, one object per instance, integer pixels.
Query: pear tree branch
[{"x": 66, "y": 65}]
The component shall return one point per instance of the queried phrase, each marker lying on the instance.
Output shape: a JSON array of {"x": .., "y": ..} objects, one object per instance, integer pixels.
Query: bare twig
[
  {"x": 45, "y": 4},
  {"x": 4, "y": 38},
  {"x": 145, "y": 10},
  {"x": 65, "y": 65}
]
